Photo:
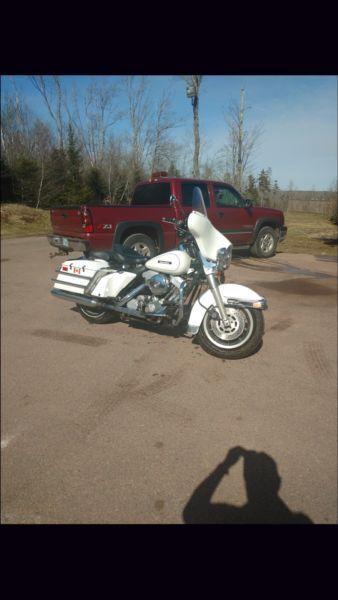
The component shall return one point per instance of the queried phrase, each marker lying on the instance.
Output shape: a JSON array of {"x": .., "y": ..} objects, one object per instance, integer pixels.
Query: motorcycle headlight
[{"x": 224, "y": 256}]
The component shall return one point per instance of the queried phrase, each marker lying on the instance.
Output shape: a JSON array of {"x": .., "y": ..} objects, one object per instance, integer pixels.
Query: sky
[{"x": 298, "y": 115}]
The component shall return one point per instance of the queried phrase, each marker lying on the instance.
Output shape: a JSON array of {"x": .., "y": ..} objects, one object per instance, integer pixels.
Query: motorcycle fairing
[{"x": 208, "y": 238}]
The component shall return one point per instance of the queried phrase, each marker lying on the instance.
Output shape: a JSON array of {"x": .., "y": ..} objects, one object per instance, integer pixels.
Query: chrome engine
[
  {"x": 164, "y": 291},
  {"x": 159, "y": 284}
]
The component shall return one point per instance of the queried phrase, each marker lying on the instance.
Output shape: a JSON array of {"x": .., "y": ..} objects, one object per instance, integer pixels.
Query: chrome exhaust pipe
[
  {"x": 78, "y": 299},
  {"x": 91, "y": 303}
]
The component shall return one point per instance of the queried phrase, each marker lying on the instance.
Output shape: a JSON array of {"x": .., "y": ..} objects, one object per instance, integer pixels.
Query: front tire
[
  {"x": 97, "y": 315},
  {"x": 265, "y": 243},
  {"x": 240, "y": 339}
]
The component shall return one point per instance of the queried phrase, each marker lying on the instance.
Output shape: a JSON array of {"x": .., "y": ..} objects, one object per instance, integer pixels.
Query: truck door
[{"x": 230, "y": 215}]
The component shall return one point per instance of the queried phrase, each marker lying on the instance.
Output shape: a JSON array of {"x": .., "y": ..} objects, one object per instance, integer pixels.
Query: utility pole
[
  {"x": 240, "y": 143},
  {"x": 193, "y": 86}
]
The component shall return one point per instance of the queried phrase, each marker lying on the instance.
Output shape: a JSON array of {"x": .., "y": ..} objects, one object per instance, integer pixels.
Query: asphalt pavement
[{"x": 119, "y": 423}]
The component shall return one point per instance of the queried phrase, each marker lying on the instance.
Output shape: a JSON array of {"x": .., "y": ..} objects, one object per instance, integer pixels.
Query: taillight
[{"x": 86, "y": 217}]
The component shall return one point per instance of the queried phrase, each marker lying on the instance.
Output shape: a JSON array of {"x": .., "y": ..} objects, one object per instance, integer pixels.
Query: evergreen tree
[
  {"x": 251, "y": 189},
  {"x": 7, "y": 182},
  {"x": 264, "y": 183},
  {"x": 275, "y": 186},
  {"x": 26, "y": 180},
  {"x": 96, "y": 187},
  {"x": 269, "y": 179},
  {"x": 55, "y": 188},
  {"x": 75, "y": 189}
]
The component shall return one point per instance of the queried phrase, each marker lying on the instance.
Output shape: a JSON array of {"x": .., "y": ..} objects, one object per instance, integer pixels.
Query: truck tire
[
  {"x": 141, "y": 243},
  {"x": 265, "y": 243}
]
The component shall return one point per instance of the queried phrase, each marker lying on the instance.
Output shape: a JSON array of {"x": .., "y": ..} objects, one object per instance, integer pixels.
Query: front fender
[{"x": 232, "y": 294}]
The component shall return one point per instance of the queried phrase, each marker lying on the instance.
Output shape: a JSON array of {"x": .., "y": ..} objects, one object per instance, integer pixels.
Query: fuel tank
[{"x": 176, "y": 262}]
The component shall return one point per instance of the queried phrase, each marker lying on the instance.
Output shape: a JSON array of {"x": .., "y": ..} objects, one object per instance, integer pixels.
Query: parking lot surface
[{"x": 119, "y": 423}]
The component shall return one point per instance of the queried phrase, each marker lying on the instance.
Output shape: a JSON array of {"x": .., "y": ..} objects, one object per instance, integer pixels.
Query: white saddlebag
[{"x": 75, "y": 275}]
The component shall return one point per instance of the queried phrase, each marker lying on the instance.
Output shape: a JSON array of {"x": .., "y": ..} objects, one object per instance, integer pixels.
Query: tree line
[{"x": 79, "y": 155}]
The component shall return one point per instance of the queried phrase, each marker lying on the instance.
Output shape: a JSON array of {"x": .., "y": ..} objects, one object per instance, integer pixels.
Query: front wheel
[
  {"x": 97, "y": 315},
  {"x": 239, "y": 339},
  {"x": 265, "y": 244}
]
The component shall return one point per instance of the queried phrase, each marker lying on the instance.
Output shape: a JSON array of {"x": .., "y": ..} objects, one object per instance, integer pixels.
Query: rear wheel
[
  {"x": 141, "y": 243},
  {"x": 265, "y": 243},
  {"x": 239, "y": 339},
  {"x": 97, "y": 315}
]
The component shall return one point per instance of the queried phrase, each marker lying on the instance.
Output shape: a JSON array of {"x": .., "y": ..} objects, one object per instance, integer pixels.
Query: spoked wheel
[
  {"x": 97, "y": 315},
  {"x": 238, "y": 339}
]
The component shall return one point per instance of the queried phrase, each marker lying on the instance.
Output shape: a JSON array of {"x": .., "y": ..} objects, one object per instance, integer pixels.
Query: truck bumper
[
  {"x": 67, "y": 243},
  {"x": 282, "y": 233}
]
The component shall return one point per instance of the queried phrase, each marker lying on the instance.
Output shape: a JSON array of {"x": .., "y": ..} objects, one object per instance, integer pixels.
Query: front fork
[{"x": 214, "y": 286}]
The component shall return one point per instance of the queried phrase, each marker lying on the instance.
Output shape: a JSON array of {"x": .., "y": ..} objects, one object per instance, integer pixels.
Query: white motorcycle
[{"x": 168, "y": 289}]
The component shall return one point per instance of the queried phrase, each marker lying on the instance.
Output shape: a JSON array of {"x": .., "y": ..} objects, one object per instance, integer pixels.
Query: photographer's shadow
[{"x": 262, "y": 483}]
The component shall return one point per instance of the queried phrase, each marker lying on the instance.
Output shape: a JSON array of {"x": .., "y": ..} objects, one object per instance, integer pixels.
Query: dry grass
[
  {"x": 309, "y": 233},
  {"x": 17, "y": 220}
]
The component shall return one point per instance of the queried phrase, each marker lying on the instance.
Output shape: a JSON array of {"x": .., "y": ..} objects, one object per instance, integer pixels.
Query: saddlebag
[{"x": 75, "y": 275}]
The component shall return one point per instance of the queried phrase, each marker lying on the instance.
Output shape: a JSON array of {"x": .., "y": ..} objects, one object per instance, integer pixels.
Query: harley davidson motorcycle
[{"x": 169, "y": 289}]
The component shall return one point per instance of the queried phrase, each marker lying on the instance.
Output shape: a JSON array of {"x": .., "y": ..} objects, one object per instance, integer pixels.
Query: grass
[
  {"x": 308, "y": 233},
  {"x": 20, "y": 220}
]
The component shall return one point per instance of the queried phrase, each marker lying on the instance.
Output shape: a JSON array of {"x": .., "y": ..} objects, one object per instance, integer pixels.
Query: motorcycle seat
[{"x": 120, "y": 255}]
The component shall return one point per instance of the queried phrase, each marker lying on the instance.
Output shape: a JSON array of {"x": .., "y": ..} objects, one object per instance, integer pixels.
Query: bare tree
[
  {"x": 42, "y": 141},
  {"x": 16, "y": 128},
  {"x": 164, "y": 149},
  {"x": 51, "y": 91},
  {"x": 193, "y": 92},
  {"x": 94, "y": 118},
  {"x": 242, "y": 142},
  {"x": 139, "y": 112}
]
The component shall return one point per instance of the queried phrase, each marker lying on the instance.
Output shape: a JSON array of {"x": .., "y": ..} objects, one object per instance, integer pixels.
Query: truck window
[
  {"x": 226, "y": 196},
  {"x": 152, "y": 193},
  {"x": 187, "y": 189}
]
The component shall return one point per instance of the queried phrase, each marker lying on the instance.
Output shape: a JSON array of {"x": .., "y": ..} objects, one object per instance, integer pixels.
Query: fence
[{"x": 316, "y": 202}]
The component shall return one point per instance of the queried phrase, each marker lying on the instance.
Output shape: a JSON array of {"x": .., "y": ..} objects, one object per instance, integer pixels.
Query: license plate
[{"x": 65, "y": 242}]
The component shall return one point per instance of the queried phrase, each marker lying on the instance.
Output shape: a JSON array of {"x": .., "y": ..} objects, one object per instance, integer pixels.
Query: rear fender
[{"x": 234, "y": 295}]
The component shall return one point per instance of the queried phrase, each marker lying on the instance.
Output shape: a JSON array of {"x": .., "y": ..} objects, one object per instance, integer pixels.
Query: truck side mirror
[{"x": 247, "y": 203}]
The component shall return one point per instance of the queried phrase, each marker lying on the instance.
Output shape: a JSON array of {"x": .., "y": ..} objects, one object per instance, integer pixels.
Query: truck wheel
[
  {"x": 265, "y": 244},
  {"x": 141, "y": 243}
]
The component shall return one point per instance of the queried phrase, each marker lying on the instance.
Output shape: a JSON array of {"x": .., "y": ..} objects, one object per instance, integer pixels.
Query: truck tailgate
[{"x": 67, "y": 221}]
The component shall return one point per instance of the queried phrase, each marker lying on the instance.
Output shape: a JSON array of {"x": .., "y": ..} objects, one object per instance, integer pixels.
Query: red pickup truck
[{"x": 139, "y": 225}]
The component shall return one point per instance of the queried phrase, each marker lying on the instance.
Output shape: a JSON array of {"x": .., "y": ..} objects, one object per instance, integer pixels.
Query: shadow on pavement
[
  {"x": 329, "y": 241},
  {"x": 262, "y": 483}
]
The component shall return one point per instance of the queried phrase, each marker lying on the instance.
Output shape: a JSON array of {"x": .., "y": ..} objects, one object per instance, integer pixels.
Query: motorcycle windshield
[
  {"x": 208, "y": 238},
  {"x": 197, "y": 202}
]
